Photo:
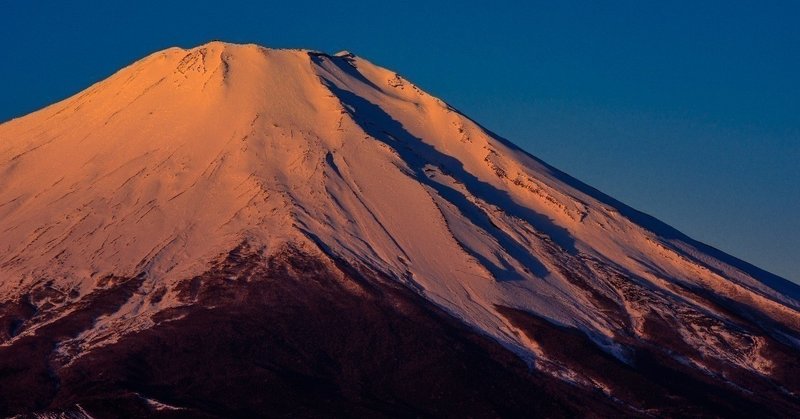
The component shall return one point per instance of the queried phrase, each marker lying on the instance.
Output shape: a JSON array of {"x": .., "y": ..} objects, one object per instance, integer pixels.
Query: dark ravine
[{"x": 298, "y": 334}]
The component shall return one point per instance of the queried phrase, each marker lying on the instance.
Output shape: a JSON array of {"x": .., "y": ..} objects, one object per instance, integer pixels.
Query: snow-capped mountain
[{"x": 233, "y": 230}]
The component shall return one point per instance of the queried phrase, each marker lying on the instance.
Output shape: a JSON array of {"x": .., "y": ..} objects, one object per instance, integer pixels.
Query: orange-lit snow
[{"x": 181, "y": 156}]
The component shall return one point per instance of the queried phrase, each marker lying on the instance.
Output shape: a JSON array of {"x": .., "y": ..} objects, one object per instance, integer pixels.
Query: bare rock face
[{"x": 239, "y": 231}]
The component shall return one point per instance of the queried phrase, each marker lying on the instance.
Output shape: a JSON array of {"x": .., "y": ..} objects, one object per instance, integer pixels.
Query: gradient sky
[{"x": 689, "y": 111}]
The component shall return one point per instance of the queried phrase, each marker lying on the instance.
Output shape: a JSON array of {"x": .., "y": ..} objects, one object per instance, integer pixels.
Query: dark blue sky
[{"x": 689, "y": 111}]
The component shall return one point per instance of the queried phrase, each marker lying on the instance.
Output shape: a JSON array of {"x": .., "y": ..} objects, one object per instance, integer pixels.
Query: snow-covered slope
[{"x": 185, "y": 155}]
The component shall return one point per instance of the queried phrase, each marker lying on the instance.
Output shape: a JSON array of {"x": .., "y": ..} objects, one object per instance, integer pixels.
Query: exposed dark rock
[{"x": 289, "y": 336}]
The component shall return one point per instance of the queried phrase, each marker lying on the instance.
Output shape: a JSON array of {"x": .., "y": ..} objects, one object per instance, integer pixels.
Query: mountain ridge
[{"x": 158, "y": 174}]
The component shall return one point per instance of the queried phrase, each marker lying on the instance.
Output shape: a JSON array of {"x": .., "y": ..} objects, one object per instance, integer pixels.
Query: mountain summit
[{"x": 233, "y": 230}]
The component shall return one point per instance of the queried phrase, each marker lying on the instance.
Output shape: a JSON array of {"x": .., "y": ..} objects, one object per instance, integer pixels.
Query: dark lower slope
[
  {"x": 294, "y": 336},
  {"x": 299, "y": 335}
]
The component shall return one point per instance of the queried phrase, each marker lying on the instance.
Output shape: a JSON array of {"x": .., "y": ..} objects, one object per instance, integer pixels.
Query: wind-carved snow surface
[{"x": 182, "y": 156}]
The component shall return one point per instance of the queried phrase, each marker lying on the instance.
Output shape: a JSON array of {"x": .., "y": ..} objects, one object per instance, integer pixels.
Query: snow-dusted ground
[{"x": 185, "y": 154}]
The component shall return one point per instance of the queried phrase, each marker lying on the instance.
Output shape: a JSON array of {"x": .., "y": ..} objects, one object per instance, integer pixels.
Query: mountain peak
[
  {"x": 345, "y": 53},
  {"x": 194, "y": 161}
]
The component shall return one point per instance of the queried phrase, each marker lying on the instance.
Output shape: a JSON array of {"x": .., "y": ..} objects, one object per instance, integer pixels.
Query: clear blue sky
[{"x": 689, "y": 111}]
